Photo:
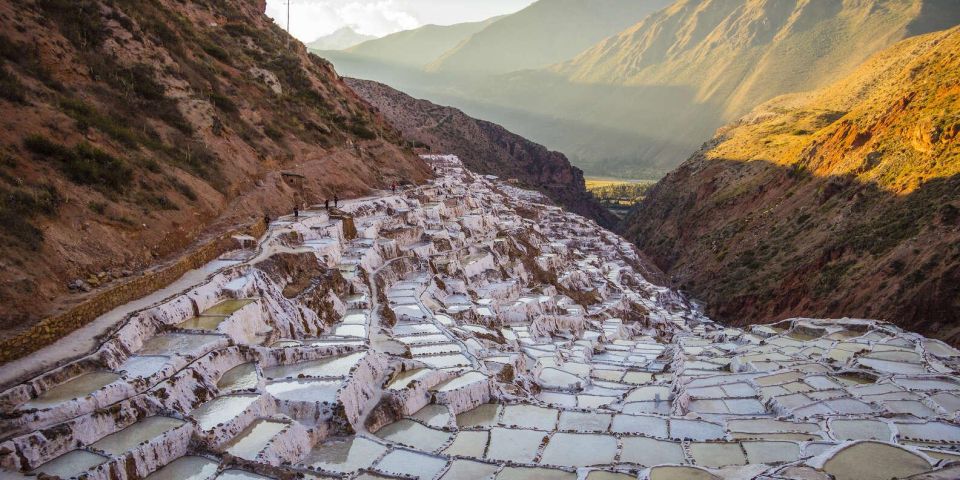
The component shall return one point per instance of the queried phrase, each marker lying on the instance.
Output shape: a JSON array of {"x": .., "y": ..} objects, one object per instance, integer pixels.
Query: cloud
[{"x": 310, "y": 19}]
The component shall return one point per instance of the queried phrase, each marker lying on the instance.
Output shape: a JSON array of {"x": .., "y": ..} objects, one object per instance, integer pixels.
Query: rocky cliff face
[
  {"x": 485, "y": 147},
  {"x": 132, "y": 129},
  {"x": 845, "y": 201}
]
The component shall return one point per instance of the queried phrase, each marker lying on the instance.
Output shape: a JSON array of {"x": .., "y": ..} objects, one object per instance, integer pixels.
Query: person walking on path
[
  {"x": 296, "y": 211},
  {"x": 336, "y": 200},
  {"x": 326, "y": 204}
]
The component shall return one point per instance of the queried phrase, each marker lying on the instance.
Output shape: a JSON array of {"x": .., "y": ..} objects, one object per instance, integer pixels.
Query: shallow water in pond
[
  {"x": 860, "y": 430},
  {"x": 551, "y": 377},
  {"x": 204, "y": 322},
  {"x": 351, "y": 331},
  {"x": 461, "y": 469},
  {"x": 178, "y": 344},
  {"x": 717, "y": 454},
  {"x": 71, "y": 464},
  {"x": 532, "y": 473},
  {"x": 403, "y": 379},
  {"x": 240, "y": 475},
  {"x": 461, "y": 381},
  {"x": 76, "y": 387},
  {"x": 469, "y": 444},
  {"x": 338, "y": 366},
  {"x": 771, "y": 452},
  {"x": 354, "y": 317},
  {"x": 579, "y": 450},
  {"x": 437, "y": 416},
  {"x": 405, "y": 462},
  {"x": 483, "y": 416},
  {"x": 413, "y": 434},
  {"x": 649, "y": 451},
  {"x": 435, "y": 349},
  {"x": 304, "y": 390},
  {"x": 647, "y": 425},
  {"x": 529, "y": 416},
  {"x": 128, "y": 438},
  {"x": 345, "y": 456},
  {"x": 227, "y": 307},
  {"x": 186, "y": 468},
  {"x": 445, "y": 361},
  {"x": 584, "y": 421},
  {"x": 143, "y": 366},
  {"x": 874, "y": 461},
  {"x": 514, "y": 445},
  {"x": 221, "y": 410},
  {"x": 248, "y": 443},
  {"x": 680, "y": 473},
  {"x": 695, "y": 430},
  {"x": 241, "y": 377},
  {"x": 601, "y": 475}
]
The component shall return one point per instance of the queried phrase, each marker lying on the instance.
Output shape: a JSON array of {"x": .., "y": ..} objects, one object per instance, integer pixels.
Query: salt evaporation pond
[
  {"x": 76, "y": 387},
  {"x": 477, "y": 364}
]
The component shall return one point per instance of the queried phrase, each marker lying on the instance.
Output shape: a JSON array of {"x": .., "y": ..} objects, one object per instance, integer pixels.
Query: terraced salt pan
[
  {"x": 253, "y": 439},
  {"x": 646, "y": 451},
  {"x": 461, "y": 469},
  {"x": 485, "y": 415},
  {"x": 469, "y": 443},
  {"x": 529, "y": 416},
  {"x": 874, "y": 461},
  {"x": 221, "y": 410},
  {"x": 514, "y": 445},
  {"x": 415, "y": 435},
  {"x": 241, "y": 377},
  {"x": 228, "y": 307},
  {"x": 345, "y": 455},
  {"x": 628, "y": 402},
  {"x": 187, "y": 468},
  {"x": 328, "y": 367},
  {"x": 179, "y": 344},
  {"x": 76, "y": 387},
  {"x": 71, "y": 464},
  {"x": 147, "y": 429},
  {"x": 406, "y": 462},
  {"x": 579, "y": 450},
  {"x": 143, "y": 366},
  {"x": 312, "y": 391}
]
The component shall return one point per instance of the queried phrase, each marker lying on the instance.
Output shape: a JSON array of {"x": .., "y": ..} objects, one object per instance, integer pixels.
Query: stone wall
[{"x": 56, "y": 327}]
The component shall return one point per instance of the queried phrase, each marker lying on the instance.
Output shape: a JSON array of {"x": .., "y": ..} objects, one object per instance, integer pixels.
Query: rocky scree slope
[
  {"x": 485, "y": 147},
  {"x": 131, "y": 129},
  {"x": 844, "y": 201}
]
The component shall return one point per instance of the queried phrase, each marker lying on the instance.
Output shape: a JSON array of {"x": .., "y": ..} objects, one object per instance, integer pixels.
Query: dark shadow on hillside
[{"x": 760, "y": 242}]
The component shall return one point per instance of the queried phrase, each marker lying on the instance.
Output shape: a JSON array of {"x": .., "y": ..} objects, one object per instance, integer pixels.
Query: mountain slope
[
  {"x": 132, "y": 129},
  {"x": 544, "y": 33},
  {"x": 485, "y": 147},
  {"x": 420, "y": 46},
  {"x": 844, "y": 201},
  {"x": 344, "y": 37},
  {"x": 684, "y": 71}
]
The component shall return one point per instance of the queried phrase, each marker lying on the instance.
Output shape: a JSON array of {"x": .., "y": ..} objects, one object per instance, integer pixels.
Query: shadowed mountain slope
[{"x": 485, "y": 147}]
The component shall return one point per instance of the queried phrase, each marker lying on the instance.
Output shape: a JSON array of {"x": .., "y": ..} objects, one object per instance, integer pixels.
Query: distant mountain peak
[{"x": 342, "y": 38}]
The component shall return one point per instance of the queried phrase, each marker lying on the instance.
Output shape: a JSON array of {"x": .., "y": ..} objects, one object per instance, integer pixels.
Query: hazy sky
[{"x": 310, "y": 19}]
